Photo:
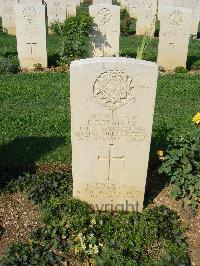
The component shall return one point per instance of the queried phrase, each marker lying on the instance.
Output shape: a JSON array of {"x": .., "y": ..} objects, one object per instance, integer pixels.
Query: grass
[
  {"x": 35, "y": 114},
  {"x": 128, "y": 48},
  {"x": 34, "y": 110}
]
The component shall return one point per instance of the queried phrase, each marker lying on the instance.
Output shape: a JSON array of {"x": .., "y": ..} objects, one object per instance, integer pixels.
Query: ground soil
[
  {"x": 192, "y": 223},
  {"x": 18, "y": 216}
]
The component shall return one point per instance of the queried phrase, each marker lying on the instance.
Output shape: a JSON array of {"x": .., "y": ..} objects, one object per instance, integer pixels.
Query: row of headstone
[
  {"x": 148, "y": 11},
  {"x": 31, "y": 34},
  {"x": 173, "y": 39},
  {"x": 57, "y": 10}
]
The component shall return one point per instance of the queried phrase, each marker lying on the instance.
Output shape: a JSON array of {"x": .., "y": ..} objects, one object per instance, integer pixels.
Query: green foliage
[
  {"x": 180, "y": 70},
  {"x": 72, "y": 229},
  {"x": 42, "y": 189},
  {"x": 182, "y": 164},
  {"x": 30, "y": 254},
  {"x": 56, "y": 28},
  {"x": 75, "y": 37},
  {"x": 125, "y": 22},
  {"x": 145, "y": 43},
  {"x": 38, "y": 67},
  {"x": 9, "y": 65},
  {"x": 41, "y": 116}
]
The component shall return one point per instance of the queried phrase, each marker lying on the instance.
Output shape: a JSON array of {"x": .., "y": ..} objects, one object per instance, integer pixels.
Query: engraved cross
[
  {"x": 31, "y": 44},
  {"x": 110, "y": 158}
]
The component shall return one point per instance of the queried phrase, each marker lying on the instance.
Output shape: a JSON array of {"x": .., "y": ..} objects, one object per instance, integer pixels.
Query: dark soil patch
[
  {"x": 192, "y": 224},
  {"x": 17, "y": 218}
]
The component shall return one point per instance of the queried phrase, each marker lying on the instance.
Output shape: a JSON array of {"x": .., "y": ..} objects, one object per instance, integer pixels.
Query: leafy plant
[
  {"x": 75, "y": 37},
  {"x": 125, "y": 22},
  {"x": 42, "y": 189},
  {"x": 56, "y": 28},
  {"x": 145, "y": 43},
  {"x": 38, "y": 67},
  {"x": 180, "y": 70},
  {"x": 29, "y": 254},
  {"x": 181, "y": 162},
  {"x": 71, "y": 229},
  {"x": 9, "y": 65}
]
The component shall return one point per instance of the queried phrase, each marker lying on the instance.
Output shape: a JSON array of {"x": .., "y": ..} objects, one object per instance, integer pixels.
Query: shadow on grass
[
  {"x": 191, "y": 60},
  {"x": 155, "y": 183},
  {"x": 129, "y": 54},
  {"x": 21, "y": 155},
  {"x": 53, "y": 60},
  {"x": 10, "y": 54}
]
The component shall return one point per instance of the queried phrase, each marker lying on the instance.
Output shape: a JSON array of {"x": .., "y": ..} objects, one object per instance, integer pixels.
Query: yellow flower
[
  {"x": 160, "y": 153},
  {"x": 196, "y": 118}
]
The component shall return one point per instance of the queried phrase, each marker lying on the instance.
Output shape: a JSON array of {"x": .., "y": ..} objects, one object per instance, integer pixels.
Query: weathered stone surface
[
  {"x": 71, "y": 8},
  {"x": 56, "y": 10},
  {"x": 146, "y": 17},
  {"x": 112, "y": 107},
  {"x": 174, "y": 37},
  {"x": 8, "y": 18},
  {"x": 31, "y": 34},
  {"x": 194, "y": 5},
  {"x": 95, "y": 2},
  {"x": 106, "y": 31},
  {"x": 131, "y": 6}
]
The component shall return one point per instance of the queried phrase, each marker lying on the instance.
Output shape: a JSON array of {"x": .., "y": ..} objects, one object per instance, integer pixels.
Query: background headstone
[
  {"x": 8, "y": 18},
  {"x": 194, "y": 5},
  {"x": 71, "y": 8},
  {"x": 131, "y": 6},
  {"x": 106, "y": 31},
  {"x": 174, "y": 37},
  {"x": 31, "y": 1},
  {"x": 56, "y": 10},
  {"x": 95, "y": 2},
  {"x": 31, "y": 34},
  {"x": 112, "y": 107},
  {"x": 146, "y": 17}
]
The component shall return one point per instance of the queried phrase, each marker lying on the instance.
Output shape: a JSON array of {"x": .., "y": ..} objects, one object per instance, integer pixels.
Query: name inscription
[
  {"x": 109, "y": 190},
  {"x": 104, "y": 127}
]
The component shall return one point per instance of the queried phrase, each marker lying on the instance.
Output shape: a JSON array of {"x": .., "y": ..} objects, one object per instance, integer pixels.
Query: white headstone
[
  {"x": 96, "y": 2},
  {"x": 31, "y": 1},
  {"x": 146, "y": 17},
  {"x": 31, "y": 34},
  {"x": 106, "y": 31},
  {"x": 71, "y": 8},
  {"x": 56, "y": 10},
  {"x": 168, "y": 3},
  {"x": 194, "y": 5},
  {"x": 174, "y": 37},
  {"x": 8, "y": 18},
  {"x": 131, "y": 6},
  {"x": 1, "y": 8},
  {"x": 112, "y": 107}
]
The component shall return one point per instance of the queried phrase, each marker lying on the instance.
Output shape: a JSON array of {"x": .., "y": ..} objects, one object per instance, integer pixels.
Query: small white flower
[
  {"x": 83, "y": 246},
  {"x": 93, "y": 221},
  {"x": 95, "y": 249}
]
